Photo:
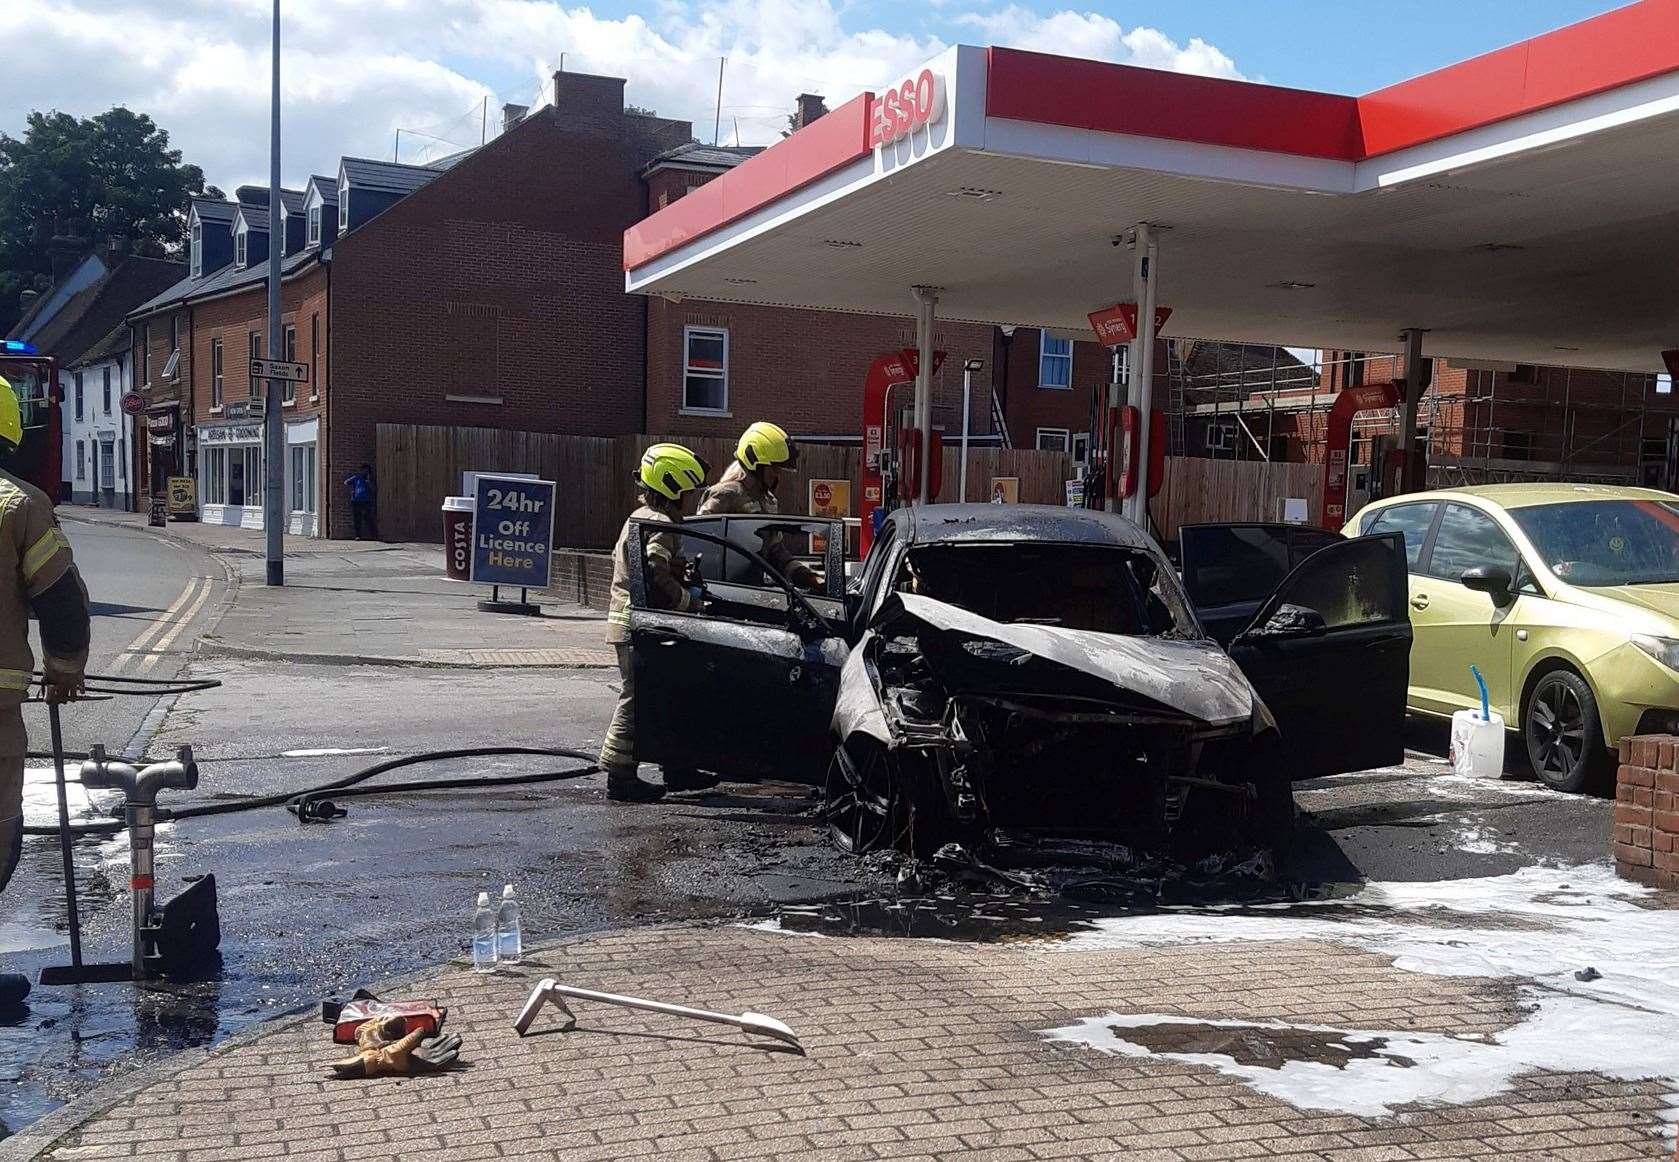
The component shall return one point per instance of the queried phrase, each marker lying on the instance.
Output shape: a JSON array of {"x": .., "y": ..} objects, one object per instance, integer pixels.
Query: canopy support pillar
[
  {"x": 926, "y": 304},
  {"x": 1142, "y": 367},
  {"x": 1417, "y": 375}
]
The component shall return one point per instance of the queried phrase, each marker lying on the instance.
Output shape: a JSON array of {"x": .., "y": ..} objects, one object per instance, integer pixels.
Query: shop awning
[{"x": 1519, "y": 206}]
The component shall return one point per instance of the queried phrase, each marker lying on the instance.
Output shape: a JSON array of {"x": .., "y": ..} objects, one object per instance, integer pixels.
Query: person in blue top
[{"x": 361, "y": 502}]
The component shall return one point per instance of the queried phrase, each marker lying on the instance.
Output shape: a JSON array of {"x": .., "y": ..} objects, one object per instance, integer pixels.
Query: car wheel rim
[
  {"x": 858, "y": 804},
  {"x": 1557, "y": 728}
]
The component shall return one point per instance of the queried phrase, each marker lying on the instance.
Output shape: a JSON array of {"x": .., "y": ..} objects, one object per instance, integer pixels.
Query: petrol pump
[{"x": 891, "y": 442}]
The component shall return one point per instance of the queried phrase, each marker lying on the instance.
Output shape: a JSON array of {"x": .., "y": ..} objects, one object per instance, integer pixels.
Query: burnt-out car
[{"x": 1016, "y": 669}]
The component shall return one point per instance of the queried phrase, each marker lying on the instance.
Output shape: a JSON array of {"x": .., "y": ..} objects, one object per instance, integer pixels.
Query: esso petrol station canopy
[{"x": 1519, "y": 206}]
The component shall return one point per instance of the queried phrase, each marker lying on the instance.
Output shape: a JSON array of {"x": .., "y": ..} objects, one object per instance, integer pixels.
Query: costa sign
[{"x": 915, "y": 104}]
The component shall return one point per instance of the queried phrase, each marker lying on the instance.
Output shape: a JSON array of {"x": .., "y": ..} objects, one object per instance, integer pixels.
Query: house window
[
  {"x": 314, "y": 225},
  {"x": 256, "y": 353},
  {"x": 1518, "y": 446},
  {"x": 145, "y": 353},
  {"x": 315, "y": 356},
  {"x": 344, "y": 205},
  {"x": 1052, "y": 439},
  {"x": 172, "y": 365},
  {"x": 1081, "y": 447},
  {"x": 105, "y": 388},
  {"x": 705, "y": 371},
  {"x": 239, "y": 244},
  {"x": 78, "y": 396},
  {"x": 1355, "y": 369},
  {"x": 289, "y": 388},
  {"x": 1055, "y": 361},
  {"x": 107, "y": 464},
  {"x": 233, "y": 475},
  {"x": 197, "y": 248},
  {"x": 217, "y": 386},
  {"x": 81, "y": 460},
  {"x": 303, "y": 478}
]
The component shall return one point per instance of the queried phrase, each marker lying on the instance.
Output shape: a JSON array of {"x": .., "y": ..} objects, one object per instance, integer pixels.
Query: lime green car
[{"x": 1566, "y": 596}]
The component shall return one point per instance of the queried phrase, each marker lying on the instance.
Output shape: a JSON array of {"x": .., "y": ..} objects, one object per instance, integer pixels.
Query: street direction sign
[{"x": 279, "y": 369}]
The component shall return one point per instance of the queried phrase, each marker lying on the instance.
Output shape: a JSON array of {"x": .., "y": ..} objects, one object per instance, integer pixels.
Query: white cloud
[
  {"x": 357, "y": 70},
  {"x": 1098, "y": 37}
]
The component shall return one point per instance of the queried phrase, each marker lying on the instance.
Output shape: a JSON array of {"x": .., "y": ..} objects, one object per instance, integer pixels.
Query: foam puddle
[{"x": 1538, "y": 926}]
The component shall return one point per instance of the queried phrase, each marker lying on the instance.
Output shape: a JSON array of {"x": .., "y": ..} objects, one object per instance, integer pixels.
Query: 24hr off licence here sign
[{"x": 512, "y": 531}]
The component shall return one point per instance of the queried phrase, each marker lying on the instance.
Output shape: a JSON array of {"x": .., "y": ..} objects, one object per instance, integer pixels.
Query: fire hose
[{"x": 315, "y": 803}]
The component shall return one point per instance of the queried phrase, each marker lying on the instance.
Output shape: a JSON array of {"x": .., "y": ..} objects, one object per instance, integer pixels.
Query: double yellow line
[{"x": 154, "y": 641}]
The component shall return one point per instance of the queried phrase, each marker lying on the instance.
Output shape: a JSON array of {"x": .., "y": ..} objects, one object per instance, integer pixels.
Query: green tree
[{"x": 113, "y": 174}]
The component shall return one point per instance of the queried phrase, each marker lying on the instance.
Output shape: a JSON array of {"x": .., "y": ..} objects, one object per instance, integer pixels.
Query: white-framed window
[
  {"x": 288, "y": 390},
  {"x": 343, "y": 205},
  {"x": 105, "y": 388},
  {"x": 302, "y": 478},
  {"x": 1220, "y": 437},
  {"x": 315, "y": 356},
  {"x": 315, "y": 224},
  {"x": 197, "y": 248},
  {"x": 232, "y": 475},
  {"x": 146, "y": 353},
  {"x": 107, "y": 464},
  {"x": 78, "y": 395},
  {"x": 218, "y": 384},
  {"x": 239, "y": 238},
  {"x": 705, "y": 369},
  {"x": 81, "y": 460},
  {"x": 1055, "y": 361},
  {"x": 1081, "y": 446},
  {"x": 1052, "y": 439}
]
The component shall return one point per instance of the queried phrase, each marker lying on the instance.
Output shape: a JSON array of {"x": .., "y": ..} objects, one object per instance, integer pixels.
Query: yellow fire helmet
[
  {"x": 766, "y": 443},
  {"x": 670, "y": 470},
  {"x": 11, "y": 415}
]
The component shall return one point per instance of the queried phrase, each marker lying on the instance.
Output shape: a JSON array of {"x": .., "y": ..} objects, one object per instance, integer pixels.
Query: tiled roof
[
  {"x": 226, "y": 279},
  {"x": 214, "y": 209},
  {"x": 327, "y": 186},
  {"x": 390, "y": 177},
  {"x": 93, "y": 311},
  {"x": 710, "y": 156}
]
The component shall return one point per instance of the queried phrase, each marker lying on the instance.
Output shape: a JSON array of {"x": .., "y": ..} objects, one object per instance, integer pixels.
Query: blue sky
[{"x": 359, "y": 70}]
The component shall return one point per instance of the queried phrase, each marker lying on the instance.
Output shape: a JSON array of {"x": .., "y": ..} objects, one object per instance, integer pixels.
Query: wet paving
[
  {"x": 312, "y": 912},
  {"x": 1267, "y": 1046}
]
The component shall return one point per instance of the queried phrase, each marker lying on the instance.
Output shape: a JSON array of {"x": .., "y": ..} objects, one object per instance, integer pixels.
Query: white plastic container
[{"x": 1478, "y": 744}]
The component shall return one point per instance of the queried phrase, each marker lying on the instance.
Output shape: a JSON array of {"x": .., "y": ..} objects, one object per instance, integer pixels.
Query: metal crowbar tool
[{"x": 550, "y": 991}]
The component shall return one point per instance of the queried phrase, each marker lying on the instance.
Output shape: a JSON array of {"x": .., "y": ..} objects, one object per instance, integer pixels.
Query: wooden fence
[
  {"x": 1197, "y": 490},
  {"x": 419, "y": 465}
]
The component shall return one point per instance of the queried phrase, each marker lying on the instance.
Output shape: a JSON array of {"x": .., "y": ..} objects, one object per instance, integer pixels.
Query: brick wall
[
  {"x": 1646, "y": 836},
  {"x": 232, "y": 319},
  {"x": 802, "y": 369},
  {"x": 581, "y": 578},
  {"x": 151, "y": 352},
  {"x": 493, "y": 297},
  {"x": 1032, "y": 406}
]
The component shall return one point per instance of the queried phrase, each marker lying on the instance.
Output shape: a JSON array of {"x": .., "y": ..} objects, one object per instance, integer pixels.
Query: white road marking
[
  {"x": 139, "y": 644},
  {"x": 181, "y": 623},
  {"x": 325, "y": 751}
]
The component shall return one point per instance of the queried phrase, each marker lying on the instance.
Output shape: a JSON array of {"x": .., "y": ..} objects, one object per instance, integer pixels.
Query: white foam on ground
[
  {"x": 1478, "y": 839},
  {"x": 1537, "y": 926}
]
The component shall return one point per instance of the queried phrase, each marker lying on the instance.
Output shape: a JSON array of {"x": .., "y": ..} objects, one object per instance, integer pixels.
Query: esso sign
[{"x": 915, "y": 104}]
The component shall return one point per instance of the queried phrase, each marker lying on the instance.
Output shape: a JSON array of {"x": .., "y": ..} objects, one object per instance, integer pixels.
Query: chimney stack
[
  {"x": 65, "y": 251},
  {"x": 810, "y": 107},
  {"x": 116, "y": 245},
  {"x": 512, "y": 114},
  {"x": 26, "y": 300}
]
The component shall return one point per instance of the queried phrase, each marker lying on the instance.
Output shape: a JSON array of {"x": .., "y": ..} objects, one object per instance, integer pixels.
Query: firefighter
[
  {"x": 748, "y": 486},
  {"x": 667, "y": 472},
  {"x": 40, "y": 576}
]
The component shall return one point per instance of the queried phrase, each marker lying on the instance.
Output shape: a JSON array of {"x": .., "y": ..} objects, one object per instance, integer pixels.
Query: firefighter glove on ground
[{"x": 386, "y": 1050}]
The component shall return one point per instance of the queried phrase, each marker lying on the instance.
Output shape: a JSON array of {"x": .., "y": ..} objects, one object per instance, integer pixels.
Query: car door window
[
  {"x": 1227, "y": 564},
  {"x": 1469, "y": 539},
  {"x": 1411, "y": 521},
  {"x": 1355, "y": 583}
]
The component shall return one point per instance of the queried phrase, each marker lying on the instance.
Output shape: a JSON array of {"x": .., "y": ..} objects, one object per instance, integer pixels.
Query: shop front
[{"x": 231, "y": 475}]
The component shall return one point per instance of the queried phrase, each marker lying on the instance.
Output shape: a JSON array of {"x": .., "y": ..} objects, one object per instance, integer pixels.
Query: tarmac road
[{"x": 314, "y": 911}]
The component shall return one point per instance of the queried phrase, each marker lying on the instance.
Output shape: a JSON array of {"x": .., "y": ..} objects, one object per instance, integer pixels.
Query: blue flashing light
[{"x": 17, "y": 347}]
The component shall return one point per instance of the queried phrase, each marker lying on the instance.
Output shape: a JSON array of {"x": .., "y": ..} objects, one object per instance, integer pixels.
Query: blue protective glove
[{"x": 696, "y": 595}]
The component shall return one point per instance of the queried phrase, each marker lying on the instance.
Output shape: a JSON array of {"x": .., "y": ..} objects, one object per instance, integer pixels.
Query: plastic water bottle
[
  {"x": 509, "y": 940},
  {"x": 484, "y": 935}
]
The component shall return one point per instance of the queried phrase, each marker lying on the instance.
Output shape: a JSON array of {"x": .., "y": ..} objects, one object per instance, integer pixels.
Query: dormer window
[
  {"x": 239, "y": 234},
  {"x": 343, "y": 205},
  {"x": 197, "y": 248},
  {"x": 315, "y": 224}
]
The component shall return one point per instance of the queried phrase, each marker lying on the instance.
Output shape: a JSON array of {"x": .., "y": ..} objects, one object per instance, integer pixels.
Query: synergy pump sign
[
  {"x": 915, "y": 104},
  {"x": 512, "y": 531}
]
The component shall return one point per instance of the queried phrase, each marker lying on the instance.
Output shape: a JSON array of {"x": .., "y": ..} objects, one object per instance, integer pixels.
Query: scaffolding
[{"x": 1501, "y": 424}]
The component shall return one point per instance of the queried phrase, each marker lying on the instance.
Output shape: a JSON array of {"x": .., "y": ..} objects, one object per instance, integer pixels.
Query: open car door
[
  {"x": 1330, "y": 653},
  {"x": 1230, "y": 569},
  {"x": 741, "y": 688},
  {"x": 734, "y": 577}
]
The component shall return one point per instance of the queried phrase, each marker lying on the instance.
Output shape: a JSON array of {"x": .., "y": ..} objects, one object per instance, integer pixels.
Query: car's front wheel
[{"x": 1563, "y": 732}]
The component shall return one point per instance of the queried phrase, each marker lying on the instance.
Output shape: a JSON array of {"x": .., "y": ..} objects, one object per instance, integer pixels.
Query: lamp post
[{"x": 273, "y": 431}]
